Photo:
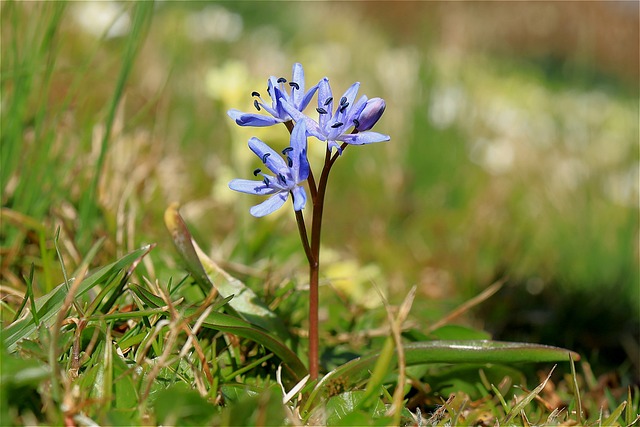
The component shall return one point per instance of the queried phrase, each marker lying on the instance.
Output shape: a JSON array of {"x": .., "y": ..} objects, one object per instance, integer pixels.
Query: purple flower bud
[{"x": 371, "y": 113}]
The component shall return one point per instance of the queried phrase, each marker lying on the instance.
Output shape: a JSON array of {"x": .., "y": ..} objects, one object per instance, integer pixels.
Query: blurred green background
[{"x": 514, "y": 151}]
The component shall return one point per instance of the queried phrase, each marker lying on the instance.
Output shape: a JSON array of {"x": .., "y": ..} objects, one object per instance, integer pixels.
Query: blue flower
[
  {"x": 298, "y": 99},
  {"x": 287, "y": 174},
  {"x": 332, "y": 126}
]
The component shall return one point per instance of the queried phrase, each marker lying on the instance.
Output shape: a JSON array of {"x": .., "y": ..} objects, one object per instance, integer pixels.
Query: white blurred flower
[
  {"x": 99, "y": 18},
  {"x": 447, "y": 104},
  {"x": 213, "y": 22}
]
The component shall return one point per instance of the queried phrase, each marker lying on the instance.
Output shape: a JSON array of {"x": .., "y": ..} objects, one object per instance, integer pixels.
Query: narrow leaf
[{"x": 48, "y": 305}]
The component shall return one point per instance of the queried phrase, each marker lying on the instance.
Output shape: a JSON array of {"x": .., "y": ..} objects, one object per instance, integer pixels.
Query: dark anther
[
  {"x": 343, "y": 100},
  {"x": 336, "y": 125},
  {"x": 266, "y": 181},
  {"x": 356, "y": 123},
  {"x": 264, "y": 157},
  {"x": 282, "y": 80},
  {"x": 254, "y": 93},
  {"x": 282, "y": 179},
  {"x": 328, "y": 101},
  {"x": 294, "y": 85},
  {"x": 289, "y": 162},
  {"x": 257, "y": 171},
  {"x": 286, "y": 150},
  {"x": 344, "y": 107},
  {"x": 268, "y": 91},
  {"x": 321, "y": 110},
  {"x": 256, "y": 104}
]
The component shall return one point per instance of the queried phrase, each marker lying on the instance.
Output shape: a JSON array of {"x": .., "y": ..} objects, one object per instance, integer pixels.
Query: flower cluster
[{"x": 341, "y": 122}]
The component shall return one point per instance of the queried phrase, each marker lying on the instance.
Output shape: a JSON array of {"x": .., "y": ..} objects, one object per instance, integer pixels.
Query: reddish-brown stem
[{"x": 312, "y": 251}]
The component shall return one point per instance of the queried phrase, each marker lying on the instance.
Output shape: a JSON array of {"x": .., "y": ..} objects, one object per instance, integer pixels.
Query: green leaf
[
  {"x": 264, "y": 408},
  {"x": 48, "y": 305},
  {"x": 180, "y": 405},
  {"x": 19, "y": 372},
  {"x": 209, "y": 274},
  {"x": 357, "y": 371}
]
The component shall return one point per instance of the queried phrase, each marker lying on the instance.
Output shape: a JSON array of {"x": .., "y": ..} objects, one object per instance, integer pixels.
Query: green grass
[{"x": 513, "y": 168}]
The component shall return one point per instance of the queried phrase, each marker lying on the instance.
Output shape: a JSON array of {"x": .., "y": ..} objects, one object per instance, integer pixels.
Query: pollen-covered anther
[
  {"x": 336, "y": 125},
  {"x": 344, "y": 107},
  {"x": 282, "y": 80},
  {"x": 266, "y": 181},
  {"x": 264, "y": 157},
  {"x": 321, "y": 110},
  {"x": 282, "y": 179},
  {"x": 256, "y": 104},
  {"x": 289, "y": 162},
  {"x": 356, "y": 123},
  {"x": 294, "y": 85},
  {"x": 286, "y": 150},
  {"x": 254, "y": 93},
  {"x": 328, "y": 101},
  {"x": 256, "y": 171},
  {"x": 343, "y": 100}
]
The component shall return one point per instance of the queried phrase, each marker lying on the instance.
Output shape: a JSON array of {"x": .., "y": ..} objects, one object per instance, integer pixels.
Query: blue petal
[
  {"x": 272, "y": 204},
  {"x": 307, "y": 98},
  {"x": 364, "y": 138},
  {"x": 269, "y": 157},
  {"x": 350, "y": 96},
  {"x": 279, "y": 95},
  {"x": 300, "y": 169},
  {"x": 251, "y": 119},
  {"x": 299, "y": 198},
  {"x": 324, "y": 94},
  {"x": 297, "y": 76},
  {"x": 251, "y": 187}
]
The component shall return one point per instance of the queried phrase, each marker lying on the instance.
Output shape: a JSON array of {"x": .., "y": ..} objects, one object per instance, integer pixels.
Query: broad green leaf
[
  {"x": 345, "y": 409},
  {"x": 179, "y": 404},
  {"x": 19, "y": 372},
  {"x": 209, "y": 274},
  {"x": 264, "y": 409},
  {"x": 474, "y": 351},
  {"x": 48, "y": 305},
  {"x": 226, "y": 323}
]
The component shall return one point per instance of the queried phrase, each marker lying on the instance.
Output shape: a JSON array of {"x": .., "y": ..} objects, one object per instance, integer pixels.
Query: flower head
[
  {"x": 332, "y": 126},
  {"x": 277, "y": 90},
  {"x": 287, "y": 174}
]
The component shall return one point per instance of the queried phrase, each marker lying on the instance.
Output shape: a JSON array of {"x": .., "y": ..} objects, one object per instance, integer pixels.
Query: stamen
[
  {"x": 282, "y": 80},
  {"x": 356, "y": 123},
  {"x": 282, "y": 179},
  {"x": 328, "y": 101},
  {"x": 254, "y": 93},
  {"x": 336, "y": 125},
  {"x": 264, "y": 157},
  {"x": 256, "y": 104},
  {"x": 343, "y": 100},
  {"x": 344, "y": 107},
  {"x": 286, "y": 150},
  {"x": 321, "y": 110},
  {"x": 289, "y": 162},
  {"x": 257, "y": 171},
  {"x": 266, "y": 181},
  {"x": 294, "y": 85}
]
